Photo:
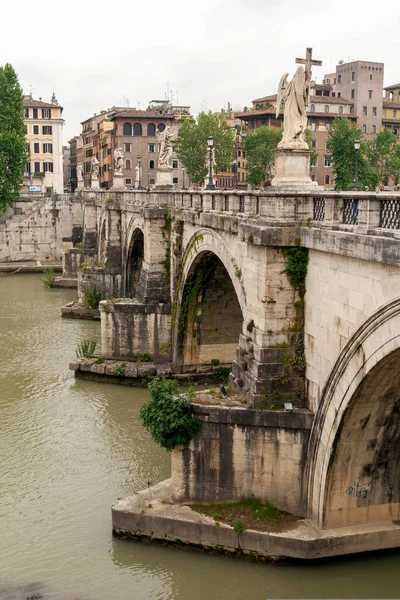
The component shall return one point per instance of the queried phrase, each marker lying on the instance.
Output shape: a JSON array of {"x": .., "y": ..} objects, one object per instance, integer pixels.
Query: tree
[
  {"x": 260, "y": 146},
  {"x": 13, "y": 153},
  {"x": 341, "y": 140},
  {"x": 384, "y": 155},
  {"x": 192, "y": 145}
]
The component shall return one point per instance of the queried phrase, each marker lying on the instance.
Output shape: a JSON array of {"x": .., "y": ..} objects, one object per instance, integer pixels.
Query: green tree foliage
[
  {"x": 314, "y": 153},
  {"x": 260, "y": 146},
  {"x": 384, "y": 156},
  {"x": 192, "y": 145},
  {"x": 13, "y": 154},
  {"x": 167, "y": 416},
  {"x": 341, "y": 140}
]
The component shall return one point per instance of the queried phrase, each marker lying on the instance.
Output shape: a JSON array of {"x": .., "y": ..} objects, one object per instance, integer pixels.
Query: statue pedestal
[
  {"x": 118, "y": 182},
  {"x": 292, "y": 170},
  {"x": 81, "y": 184},
  {"x": 164, "y": 178},
  {"x": 94, "y": 184}
]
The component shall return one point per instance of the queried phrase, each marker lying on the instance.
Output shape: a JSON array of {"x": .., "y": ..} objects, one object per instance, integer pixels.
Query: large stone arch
[
  {"x": 133, "y": 255},
  {"x": 354, "y": 452},
  {"x": 210, "y": 302}
]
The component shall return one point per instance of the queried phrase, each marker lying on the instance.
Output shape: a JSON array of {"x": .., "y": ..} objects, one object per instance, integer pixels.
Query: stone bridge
[{"x": 196, "y": 277}]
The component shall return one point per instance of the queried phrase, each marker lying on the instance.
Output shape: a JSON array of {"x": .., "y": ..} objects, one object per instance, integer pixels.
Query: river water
[{"x": 69, "y": 449}]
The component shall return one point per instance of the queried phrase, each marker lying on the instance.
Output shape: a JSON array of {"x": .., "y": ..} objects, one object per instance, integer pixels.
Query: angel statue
[
  {"x": 165, "y": 139},
  {"x": 79, "y": 170},
  {"x": 294, "y": 95},
  {"x": 118, "y": 161},
  {"x": 95, "y": 167}
]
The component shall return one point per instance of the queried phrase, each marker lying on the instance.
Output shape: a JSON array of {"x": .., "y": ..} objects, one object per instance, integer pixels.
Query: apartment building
[
  {"x": 43, "y": 127},
  {"x": 391, "y": 109}
]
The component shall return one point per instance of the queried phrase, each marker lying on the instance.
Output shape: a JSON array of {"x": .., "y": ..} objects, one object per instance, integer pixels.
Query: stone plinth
[
  {"x": 164, "y": 178},
  {"x": 95, "y": 184},
  {"x": 292, "y": 170},
  {"x": 118, "y": 182},
  {"x": 81, "y": 184}
]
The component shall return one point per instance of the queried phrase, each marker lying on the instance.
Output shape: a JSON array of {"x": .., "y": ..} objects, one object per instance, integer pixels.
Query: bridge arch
[
  {"x": 210, "y": 302},
  {"x": 354, "y": 465},
  {"x": 134, "y": 256}
]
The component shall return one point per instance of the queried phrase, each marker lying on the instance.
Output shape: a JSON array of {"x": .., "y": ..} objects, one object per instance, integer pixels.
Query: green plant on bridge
[
  {"x": 86, "y": 348},
  {"x": 296, "y": 267},
  {"x": 48, "y": 278},
  {"x": 120, "y": 369},
  {"x": 167, "y": 414},
  {"x": 92, "y": 297}
]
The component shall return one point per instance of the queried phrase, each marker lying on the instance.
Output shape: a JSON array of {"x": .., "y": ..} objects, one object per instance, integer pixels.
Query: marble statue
[
  {"x": 165, "y": 138},
  {"x": 79, "y": 170},
  {"x": 137, "y": 176},
  {"x": 294, "y": 96},
  {"x": 118, "y": 161},
  {"x": 95, "y": 167}
]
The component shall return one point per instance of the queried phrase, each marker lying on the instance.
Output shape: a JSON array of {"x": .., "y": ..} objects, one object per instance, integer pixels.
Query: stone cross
[{"x": 308, "y": 62}]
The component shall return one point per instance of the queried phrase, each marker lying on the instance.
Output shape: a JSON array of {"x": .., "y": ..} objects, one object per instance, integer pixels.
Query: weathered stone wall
[
  {"x": 40, "y": 230},
  {"x": 96, "y": 278},
  {"x": 129, "y": 328},
  {"x": 240, "y": 453},
  {"x": 342, "y": 292}
]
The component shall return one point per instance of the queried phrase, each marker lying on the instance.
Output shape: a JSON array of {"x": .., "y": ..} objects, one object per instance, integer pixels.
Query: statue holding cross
[{"x": 294, "y": 95}]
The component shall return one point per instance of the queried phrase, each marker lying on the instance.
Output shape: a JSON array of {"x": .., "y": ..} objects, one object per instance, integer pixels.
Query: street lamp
[
  {"x": 234, "y": 170},
  {"x": 357, "y": 145},
  {"x": 183, "y": 183},
  {"x": 210, "y": 142},
  {"x": 139, "y": 162}
]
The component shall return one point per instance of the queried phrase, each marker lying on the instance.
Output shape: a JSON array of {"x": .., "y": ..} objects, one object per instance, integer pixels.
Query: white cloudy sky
[{"x": 98, "y": 54}]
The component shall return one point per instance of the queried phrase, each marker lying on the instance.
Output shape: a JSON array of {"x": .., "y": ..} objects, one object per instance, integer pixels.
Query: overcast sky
[{"x": 102, "y": 54}]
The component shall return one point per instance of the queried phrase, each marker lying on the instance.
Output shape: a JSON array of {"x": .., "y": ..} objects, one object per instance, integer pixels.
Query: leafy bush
[
  {"x": 48, "y": 278},
  {"x": 167, "y": 416},
  {"x": 238, "y": 527},
  {"x": 92, "y": 297},
  {"x": 86, "y": 348},
  {"x": 120, "y": 369}
]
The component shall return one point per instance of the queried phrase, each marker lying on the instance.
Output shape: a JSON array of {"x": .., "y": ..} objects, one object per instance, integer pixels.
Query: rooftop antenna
[
  {"x": 177, "y": 98},
  {"x": 31, "y": 91}
]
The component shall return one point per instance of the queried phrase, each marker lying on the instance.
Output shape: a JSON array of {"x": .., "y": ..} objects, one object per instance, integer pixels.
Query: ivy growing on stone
[
  {"x": 167, "y": 414},
  {"x": 296, "y": 267}
]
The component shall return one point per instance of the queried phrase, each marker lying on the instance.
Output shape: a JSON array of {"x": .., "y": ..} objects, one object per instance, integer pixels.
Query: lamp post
[
  {"x": 139, "y": 162},
  {"x": 357, "y": 144},
  {"x": 234, "y": 170},
  {"x": 210, "y": 142},
  {"x": 183, "y": 180}
]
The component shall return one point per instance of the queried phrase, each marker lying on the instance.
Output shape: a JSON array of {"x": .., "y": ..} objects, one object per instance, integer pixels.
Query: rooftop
[
  {"x": 142, "y": 114},
  {"x": 396, "y": 86},
  {"x": 29, "y": 101}
]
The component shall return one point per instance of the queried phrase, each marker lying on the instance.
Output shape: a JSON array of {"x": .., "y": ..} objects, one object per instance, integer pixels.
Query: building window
[
  {"x": 128, "y": 181},
  {"x": 37, "y": 167},
  {"x": 328, "y": 126},
  {"x": 152, "y": 181},
  {"x": 339, "y": 94},
  {"x": 313, "y": 126},
  {"x": 239, "y": 153},
  {"x": 86, "y": 140},
  {"x": 48, "y": 167},
  {"x": 326, "y": 108},
  {"x": 327, "y": 179},
  {"x": 327, "y": 161},
  {"x": 365, "y": 110},
  {"x": 334, "y": 80},
  {"x": 35, "y": 113},
  {"x": 374, "y": 111},
  {"x": 48, "y": 148},
  {"x": 174, "y": 180},
  {"x": 353, "y": 94},
  {"x": 353, "y": 76},
  {"x": 28, "y": 168},
  {"x": 314, "y": 143},
  {"x": 89, "y": 153},
  {"x": 128, "y": 164},
  {"x": 312, "y": 107},
  {"x": 151, "y": 147},
  {"x": 364, "y": 129},
  {"x": 370, "y": 94},
  {"x": 351, "y": 109},
  {"x": 340, "y": 110},
  {"x": 127, "y": 129},
  {"x": 151, "y": 130},
  {"x": 174, "y": 164},
  {"x": 161, "y": 127},
  {"x": 36, "y": 130},
  {"x": 370, "y": 77},
  {"x": 152, "y": 164},
  {"x": 339, "y": 79},
  {"x": 137, "y": 129},
  {"x": 26, "y": 113},
  {"x": 127, "y": 147},
  {"x": 394, "y": 114},
  {"x": 36, "y": 148},
  {"x": 373, "y": 129},
  {"x": 47, "y": 130},
  {"x": 46, "y": 113}
]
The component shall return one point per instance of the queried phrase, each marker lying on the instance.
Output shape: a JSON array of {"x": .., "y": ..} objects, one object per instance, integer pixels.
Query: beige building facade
[{"x": 43, "y": 126}]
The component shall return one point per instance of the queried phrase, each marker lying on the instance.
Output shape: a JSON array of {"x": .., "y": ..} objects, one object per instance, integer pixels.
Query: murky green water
[{"x": 69, "y": 448}]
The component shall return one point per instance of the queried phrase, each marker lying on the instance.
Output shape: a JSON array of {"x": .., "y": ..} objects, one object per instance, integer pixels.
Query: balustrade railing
[
  {"x": 390, "y": 213},
  {"x": 350, "y": 211},
  {"x": 319, "y": 209}
]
